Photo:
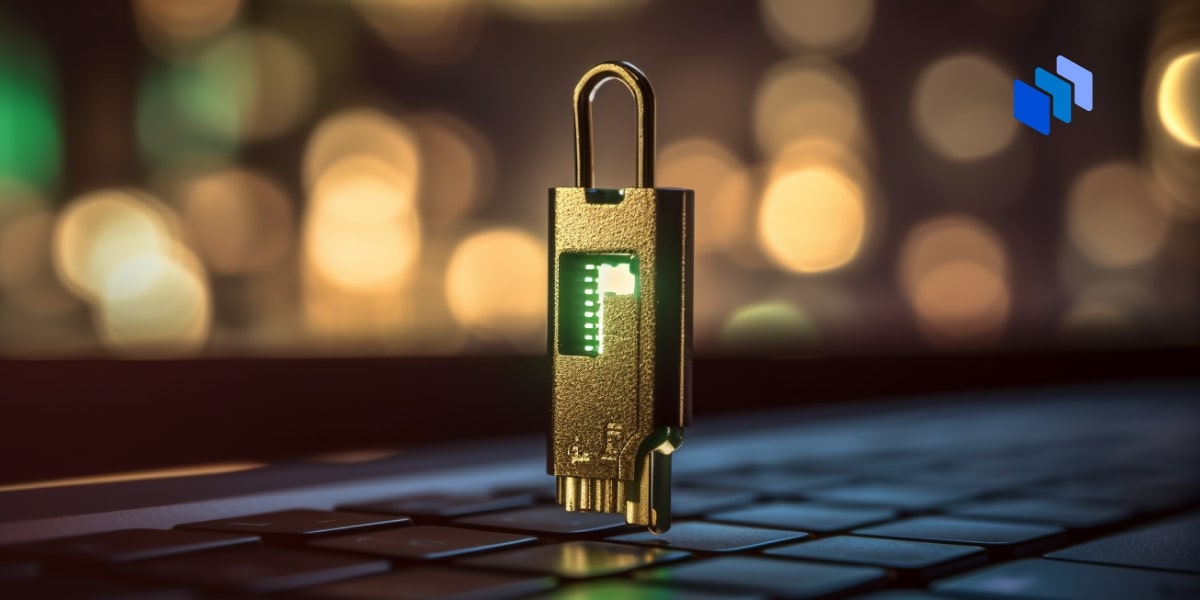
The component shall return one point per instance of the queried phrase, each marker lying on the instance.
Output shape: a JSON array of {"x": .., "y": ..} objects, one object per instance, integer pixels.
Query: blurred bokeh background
[{"x": 369, "y": 177}]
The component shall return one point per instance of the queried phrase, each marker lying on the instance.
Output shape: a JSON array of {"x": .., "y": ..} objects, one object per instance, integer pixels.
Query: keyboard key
[
  {"x": 628, "y": 590},
  {"x": 301, "y": 522},
  {"x": 1147, "y": 497},
  {"x": 1173, "y": 545},
  {"x": 72, "y": 588},
  {"x": 1061, "y": 580},
  {"x": 443, "y": 505},
  {"x": 914, "y": 560},
  {"x": 1006, "y": 539},
  {"x": 129, "y": 545},
  {"x": 774, "y": 577},
  {"x": 576, "y": 559},
  {"x": 545, "y": 489},
  {"x": 1073, "y": 514},
  {"x": 808, "y": 516},
  {"x": 987, "y": 476},
  {"x": 432, "y": 583},
  {"x": 711, "y": 537},
  {"x": 550, "y": 518},
  {"x": 424, "y": 542},
  {"x": 259, "y": 570},
  {"x": 902, "y": 496},
  {"x": 888, "y": 464},
  {"x": 772, "y": 483},
  {"x": 689, "y": 501}
]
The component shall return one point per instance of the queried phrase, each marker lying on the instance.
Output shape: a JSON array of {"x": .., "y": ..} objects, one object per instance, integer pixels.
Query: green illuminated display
[{"x": 585, "y": 279}]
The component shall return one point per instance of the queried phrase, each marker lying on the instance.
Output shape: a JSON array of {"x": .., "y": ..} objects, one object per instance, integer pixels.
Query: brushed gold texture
[{"x": 604, "y": 406}]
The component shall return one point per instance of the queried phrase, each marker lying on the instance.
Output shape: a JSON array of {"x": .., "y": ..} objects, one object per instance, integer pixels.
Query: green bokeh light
[
  {"x": 195, "y": 107},
  {"x": 775, "y": 327},
  {"x": 30, "y": 149}
]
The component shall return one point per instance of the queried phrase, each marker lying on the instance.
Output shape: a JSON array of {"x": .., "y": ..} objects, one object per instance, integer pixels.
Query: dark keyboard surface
[{"x": 1036, "y": 503}]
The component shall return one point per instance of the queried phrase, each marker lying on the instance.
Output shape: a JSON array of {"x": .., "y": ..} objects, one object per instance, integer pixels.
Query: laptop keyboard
[{"x": 1081, "y": 512}]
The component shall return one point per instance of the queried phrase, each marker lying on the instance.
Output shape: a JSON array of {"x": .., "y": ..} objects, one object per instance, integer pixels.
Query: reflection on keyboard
[{"x": 1071, "y": 512}]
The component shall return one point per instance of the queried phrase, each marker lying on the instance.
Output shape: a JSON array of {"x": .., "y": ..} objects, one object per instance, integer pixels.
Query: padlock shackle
[{"x": 643, "y": 98}]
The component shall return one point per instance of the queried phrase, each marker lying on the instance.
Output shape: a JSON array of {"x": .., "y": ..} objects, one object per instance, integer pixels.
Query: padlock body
[{"x": 619, "y": 325}]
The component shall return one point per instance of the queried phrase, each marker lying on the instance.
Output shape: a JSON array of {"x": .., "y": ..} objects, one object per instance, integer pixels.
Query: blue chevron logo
[{"x": 1054, "y": 95}]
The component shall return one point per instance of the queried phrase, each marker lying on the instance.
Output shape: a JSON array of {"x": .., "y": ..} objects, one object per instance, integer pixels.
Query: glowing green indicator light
[{"x": 584, "y": 282}]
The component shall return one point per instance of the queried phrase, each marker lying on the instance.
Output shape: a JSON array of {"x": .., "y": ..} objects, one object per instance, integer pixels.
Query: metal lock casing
[{"x": 619, "y": 413}]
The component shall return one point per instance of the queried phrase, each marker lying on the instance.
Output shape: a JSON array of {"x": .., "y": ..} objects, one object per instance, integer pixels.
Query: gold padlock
[{"x": 620, "y": 324}]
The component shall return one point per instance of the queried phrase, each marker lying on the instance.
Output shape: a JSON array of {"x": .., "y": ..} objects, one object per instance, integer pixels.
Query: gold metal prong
[
  {"x": 591, "y": 494},
  {"x": 650, "y": 504}
]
